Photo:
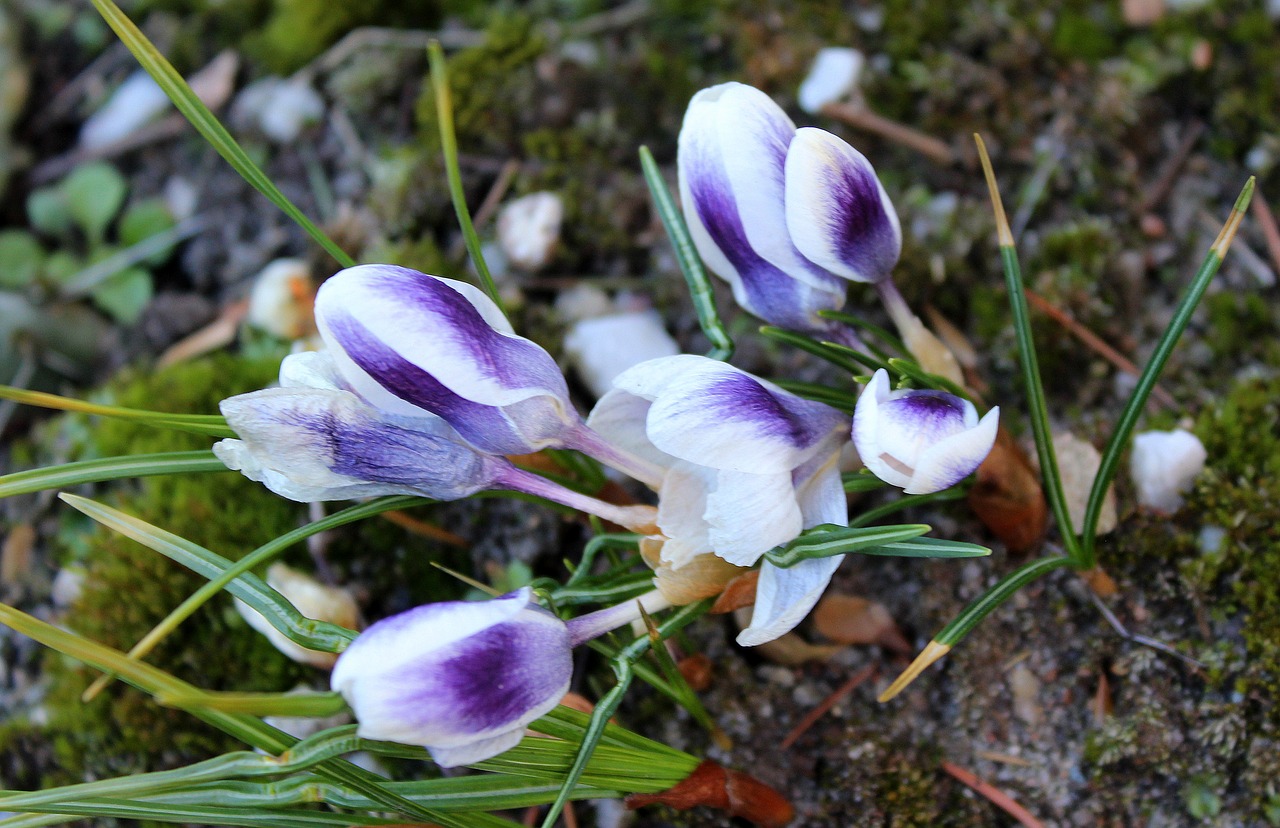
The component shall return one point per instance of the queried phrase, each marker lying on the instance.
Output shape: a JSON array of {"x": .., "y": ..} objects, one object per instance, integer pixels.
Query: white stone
[
  {"x": 311, "y": 598},
  {"x": 583, "y": 302},
  {"x": 67, "y": 586},
  {"x": 529, "y": 229},
  {"x": 833, "y": 75},
  {"x": 1164, "y": 464},
  {"x": 280, "y": 108},
  {"x": 601, "y": 348},
  {"x": 278, "y": 302},
  {"x": 1078, "y": 463},
  {"x": 137, "y": 102}
]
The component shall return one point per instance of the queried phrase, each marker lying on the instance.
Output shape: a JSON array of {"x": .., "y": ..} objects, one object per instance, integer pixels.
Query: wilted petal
[
  {"x": 408, "y": 343},
  {"x": 838, "y": 214},
  {"x": 313, "y": 444},
  {"x": 460, "y": 678},
  {"x": 732, "y": 148}
]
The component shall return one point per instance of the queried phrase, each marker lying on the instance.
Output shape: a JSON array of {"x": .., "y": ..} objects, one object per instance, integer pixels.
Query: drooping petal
[
  {"x": 785, "y": 596},
  {"x": 954, "y": 458},
  {"x": 408, "y": 342},
  {"x": 773, "y": 282},
  {"x": 718, "y": 416},
  {"x": 311, "y": 444},
  {"x": 838, "y": 213},
  {"x": 748, "y": 514}
]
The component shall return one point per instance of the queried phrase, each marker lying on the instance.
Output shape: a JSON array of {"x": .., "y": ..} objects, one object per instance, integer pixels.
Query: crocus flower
[
  {"x": 414, "y": 345},
  {"x": 732, "y": 155},
  {"x": 464, "y": 678},
  {"x": 747, "y": 465},
  {"x": 922, "y": 441},
  {"x": 312, "y": 439}
]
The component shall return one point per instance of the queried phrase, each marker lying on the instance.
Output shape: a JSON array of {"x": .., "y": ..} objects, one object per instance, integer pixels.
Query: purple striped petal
[
  {"x": 837, "y": 212},
  {"x": 718, "y": 416},
  {"x": 732, "y": 149},
  {"x": 311, "y": 444},
  {"x": 408, "y": 343},
  {"x": 461, "y": 678},
  {"x": 922, "y": 441}
]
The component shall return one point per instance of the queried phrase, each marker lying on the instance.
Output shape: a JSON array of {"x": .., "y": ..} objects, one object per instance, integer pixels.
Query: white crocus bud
[
  {"x": 1164, "y": 464},
  {"x": 923, "y": 441}
]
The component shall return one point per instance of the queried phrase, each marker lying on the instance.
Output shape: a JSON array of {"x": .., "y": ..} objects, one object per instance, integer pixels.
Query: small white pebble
[
  {"x": 529, "y": 229},
  {"x": 583, "y": 302},
  {"x": 132, "y": 106},
  {"x": 833, "y": 75},
  {"x": 67, "y": 586},
  {"x": 280, "y": 108},
  {"x": 1164, "y": 464},
  {"x": 1210, "y": 539},
  {"x": 601, "y": 348},
  {"x": 277, "y": 301}
]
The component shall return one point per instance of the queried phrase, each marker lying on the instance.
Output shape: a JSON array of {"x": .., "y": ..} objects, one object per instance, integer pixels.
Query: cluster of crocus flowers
[{"x": 423, "y": 388}]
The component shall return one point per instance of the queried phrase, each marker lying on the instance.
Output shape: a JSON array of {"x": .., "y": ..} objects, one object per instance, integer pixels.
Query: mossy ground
[{"x": 1071, "y": 99}]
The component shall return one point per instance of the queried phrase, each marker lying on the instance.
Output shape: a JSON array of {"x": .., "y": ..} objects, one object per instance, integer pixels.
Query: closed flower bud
[
  {"x": 922, "y": 441},
  {"x": 461, "y": 678},
  {"x": 413, "y": 344}
]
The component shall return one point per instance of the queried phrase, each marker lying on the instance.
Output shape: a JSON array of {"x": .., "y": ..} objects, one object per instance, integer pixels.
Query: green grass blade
[
  {"x": 1115, "y": 447},
  {"x": 829, "y": 539},
  {"x": 821, "y": 350},
  {"x": 929, "y": 548},
  {"x": 449, "y": 143},
  {"x": 212, "y": 425},
  {"x": 109, "y": 468},
  {"x": 1037, "y": 408},
  {"x": 855, "y": 482},
  {"x": 207, "y": 124},
  {"x": 306, "y": 632},
  {"x": 695, "y": 275},
  {"x": 298, "y": 705},
  {"x": 869, "y": 516}
]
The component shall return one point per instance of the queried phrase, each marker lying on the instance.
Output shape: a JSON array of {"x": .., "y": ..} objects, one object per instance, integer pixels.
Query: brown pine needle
[
  {"x": 829, "y": 702},
  {"x": 931, "y": 653},
  {"x": 860, "y": 117},
  {"x": 1094, "y": 342},
  {"x": 426, "y": 530},
  {"x": 994, "y": 795}
]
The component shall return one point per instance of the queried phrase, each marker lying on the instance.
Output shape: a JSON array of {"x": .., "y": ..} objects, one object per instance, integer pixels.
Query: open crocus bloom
[
  {"x": 748, "y": 467},
  {"x": 923, "y": 441},
  {"x": 461, "y": 678},
  {"x": 413, "y": 344},
  {"x": 838, "y": 214},
  {"x": 732, "y": 153}
]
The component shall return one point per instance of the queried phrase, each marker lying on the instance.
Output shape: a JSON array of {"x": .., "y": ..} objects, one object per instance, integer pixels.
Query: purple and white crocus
[
  {"x": 412, "y": 344},
  {"x": 464, "y": 678},
  {"x": 732, "y": 156},
  {"x": 748, "y": 466},
  {"x": 314, "y": 439},
  {"x": 923, "y": 441}
]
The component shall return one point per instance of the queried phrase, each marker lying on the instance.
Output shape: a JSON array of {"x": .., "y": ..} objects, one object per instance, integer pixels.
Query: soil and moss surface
[{"x": 1121, "y": 134}]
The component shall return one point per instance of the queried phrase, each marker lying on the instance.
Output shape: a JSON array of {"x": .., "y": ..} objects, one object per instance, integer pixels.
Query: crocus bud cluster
[{"x": 785, "y": 216}]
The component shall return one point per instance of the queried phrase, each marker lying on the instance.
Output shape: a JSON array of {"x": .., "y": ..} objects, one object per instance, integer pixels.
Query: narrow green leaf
[
  {"x": 870, "y": 516},
  {"x": 1110, "y": 461},
  {"x": 883, "y": 334},
  {"x": 929, "y": 548},
  {"x": 835, "y": 397},
  {"x": 858, "y": 482},
  {"x": 830, "y": 539},
  {"x": 449, "y": 144},
  {"x": 1002, "y": 591},
  {"x": 109, "y": 468},
  {"x": 299, "y": 705},
  {"x": 909, "y": 369},
  {"x": 305, "y": 632},
  {"x": 822, "y": 350},
  {"x": 695, "y": 275},
  {"x": 213, "y": 425},
  {"x": 207, "y": 124}
]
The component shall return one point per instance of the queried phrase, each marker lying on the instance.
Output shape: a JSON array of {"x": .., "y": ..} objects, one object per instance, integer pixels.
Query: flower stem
[
  {"x": 929, "y": 351},
  {"x": 636, "y": 518},
  {"x": 595, "y": 624},
  {"x": 587, "y": 441}
]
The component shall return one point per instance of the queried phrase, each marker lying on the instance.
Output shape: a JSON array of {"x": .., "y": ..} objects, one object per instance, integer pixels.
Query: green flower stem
[
  {"x": 1110, "y": 461},
  {"x": 695, "y": 275},
  {"x": 449, "y": 144}
]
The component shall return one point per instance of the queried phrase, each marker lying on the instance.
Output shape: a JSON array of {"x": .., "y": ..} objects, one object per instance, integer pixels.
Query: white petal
[
  {"x": 749, "y": 514},
  {"x": 682, "y": 502},
  {"x": 821, "y": 495},
  {"x": 470, "y": 754},
  {"x": 949, "y": 461},
  {"x": 785, "y": 596},
  {"x": 310, "y": 369},
  {"x": 620, "y": 417},
  {"x": 651, "y": 378},
  {"x": 866, "y": 428}
]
